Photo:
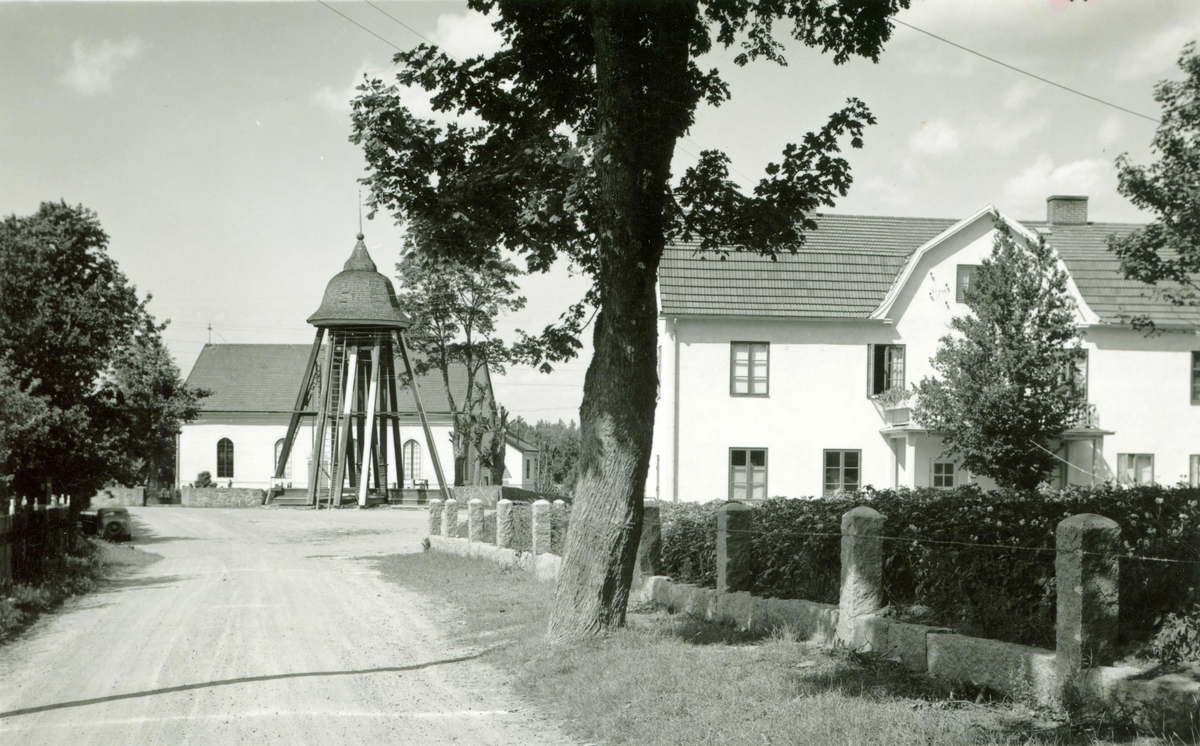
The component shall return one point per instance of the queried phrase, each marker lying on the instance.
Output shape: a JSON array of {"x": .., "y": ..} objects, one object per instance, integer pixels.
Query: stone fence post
[
  {"x": 475, "y": 519},
  {"x": 542, "y": 521},
  {"x": 558, "y": 527},
  {"x": 435, "y": 517},
  {"x": 504, "y": 524},
  {"x": 1086, "y": 568},
  {"x": 649, "y": 555},
  {"x": 734, "y": 524},
  {"x": 862, "y": 569},
  {"x": 450, "y": 518}
]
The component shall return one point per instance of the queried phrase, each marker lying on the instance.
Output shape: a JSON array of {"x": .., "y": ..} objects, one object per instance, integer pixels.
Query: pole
[
  {"x": 343, "y": 441},
  {"x": 318, "y": 450},
  {"x": 437, "y": 462},
  {"x": 369, "y": 445}
]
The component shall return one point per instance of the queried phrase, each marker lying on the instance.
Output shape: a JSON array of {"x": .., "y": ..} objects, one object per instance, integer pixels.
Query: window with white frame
[
  {"x": 962, "y": 281},
  {"x": 747, "y": 473},
  {"x": 1135, "y": 468},
  {"x": 843, "y": 471},
  {"x": 412, "y": 460},
  {"x": 885, "y": 369},
  {"x": 1194, "y": 470},
  {"x": 1196, "y": 378},
  {"x": 224, "y": 458},
  {"x": 749, "y": 368},
  {"x": 943, "y": 474}
]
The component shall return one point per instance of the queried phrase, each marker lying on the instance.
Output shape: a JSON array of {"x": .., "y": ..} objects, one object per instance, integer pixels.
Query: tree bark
[{"x": 641, "y": 53}]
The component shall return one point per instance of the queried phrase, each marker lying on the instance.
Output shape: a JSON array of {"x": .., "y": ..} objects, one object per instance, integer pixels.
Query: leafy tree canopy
[
  {"x": 1006, "y": 384},
  {"x": 1166, "y": 252},
  {"x": 578, "y": 118}
]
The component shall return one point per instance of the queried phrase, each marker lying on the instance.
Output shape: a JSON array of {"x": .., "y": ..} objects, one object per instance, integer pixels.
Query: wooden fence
[{"x": 33, "y": 540}]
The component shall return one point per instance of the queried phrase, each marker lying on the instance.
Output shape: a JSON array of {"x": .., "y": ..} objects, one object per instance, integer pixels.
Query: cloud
[
  {"x": 1020, "y": 93},
  {"x": 94, "y": 66},
  {"x": 1025, "y": 194},
  {"x": 936, "y": 137},
  {"x": 1157, "y": 55},
  {"x": 467, "y": 35},
  {"x": 336, "y": 101},
  {"x": 1109, "y": 131},
  {"x": 1005, "y": 136}
]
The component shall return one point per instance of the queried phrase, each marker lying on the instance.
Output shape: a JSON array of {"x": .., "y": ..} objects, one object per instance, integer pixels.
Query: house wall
[
  {"x": 515, "y": 469},
  {"x": 254, "y": 437},
  {"x": 818, "y": 393}
]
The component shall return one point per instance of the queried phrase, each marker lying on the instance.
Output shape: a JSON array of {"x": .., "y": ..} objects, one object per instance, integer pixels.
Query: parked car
[{"x": 113, "y": 524}]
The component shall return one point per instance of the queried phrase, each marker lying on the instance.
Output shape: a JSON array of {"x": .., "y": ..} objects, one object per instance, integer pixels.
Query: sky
[{"x": 212, "y": 139}]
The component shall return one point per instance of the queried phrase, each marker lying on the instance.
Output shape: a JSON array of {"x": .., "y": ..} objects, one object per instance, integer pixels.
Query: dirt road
[{"x": 258, "y": 626}]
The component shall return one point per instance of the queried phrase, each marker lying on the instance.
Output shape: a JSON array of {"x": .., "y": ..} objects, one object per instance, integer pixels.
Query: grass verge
[
  {"x": 89, "y": 563},
  {"x": 673, "y": 680}
]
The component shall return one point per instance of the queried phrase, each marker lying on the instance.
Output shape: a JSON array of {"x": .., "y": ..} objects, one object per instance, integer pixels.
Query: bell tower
[{"x": 360, "y": 327}]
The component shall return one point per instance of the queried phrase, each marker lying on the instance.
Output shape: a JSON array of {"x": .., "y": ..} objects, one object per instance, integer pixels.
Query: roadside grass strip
[
  {"x": 674, "y": 680},
  {"x": 85, "y": 567}
]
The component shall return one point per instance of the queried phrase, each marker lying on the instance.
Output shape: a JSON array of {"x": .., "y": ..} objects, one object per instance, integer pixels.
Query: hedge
[{"x": 980, "y": 562}]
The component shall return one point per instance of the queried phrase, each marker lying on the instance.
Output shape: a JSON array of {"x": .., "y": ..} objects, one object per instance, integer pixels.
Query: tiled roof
[
  {"x": 266, "y": 377},
  {"x": 1097, "y": 274},
  {"x": 850, "y": 262},
  {"x": 845, "y": 268}
]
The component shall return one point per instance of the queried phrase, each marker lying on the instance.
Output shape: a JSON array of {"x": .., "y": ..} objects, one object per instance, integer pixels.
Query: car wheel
[{"x": 113, "y": 532}]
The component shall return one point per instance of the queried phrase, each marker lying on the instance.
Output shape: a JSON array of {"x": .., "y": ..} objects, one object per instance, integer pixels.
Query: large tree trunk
[{"x": 641, "y": 68}]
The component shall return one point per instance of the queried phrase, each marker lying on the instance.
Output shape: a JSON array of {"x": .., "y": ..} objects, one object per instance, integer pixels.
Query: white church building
[{"x": 779, "y": 378}]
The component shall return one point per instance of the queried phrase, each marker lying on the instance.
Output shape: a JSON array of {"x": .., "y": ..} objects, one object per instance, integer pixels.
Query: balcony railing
[{"x": 1084, "y": 416}]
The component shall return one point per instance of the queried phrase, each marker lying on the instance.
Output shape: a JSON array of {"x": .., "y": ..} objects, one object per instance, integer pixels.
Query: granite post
[
  {"x": 541, "y": 526},
  {"x": 734, "y": 526},
  {"x": 450, "y": 518},
  {"x": 435, "y": 517},
  {"x": 862, "y": 569},
  {"x": 475, "y": 519},
  {"x": 504, "y": 524},
  {"x": 1086, "y": 568},
  {"x": 649, "y": 555}
]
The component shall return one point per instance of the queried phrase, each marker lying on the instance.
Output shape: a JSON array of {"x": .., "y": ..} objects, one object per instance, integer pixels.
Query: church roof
[{"x": 264, "y": 378}]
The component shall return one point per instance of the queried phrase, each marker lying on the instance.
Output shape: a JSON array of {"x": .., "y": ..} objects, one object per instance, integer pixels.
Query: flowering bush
[{"x": 981, "y": 562}]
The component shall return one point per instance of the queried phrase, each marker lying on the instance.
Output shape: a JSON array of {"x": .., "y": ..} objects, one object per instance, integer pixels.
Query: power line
[
  {"x": 364, "y": 28},
  {"x": 1025, "y": 72},
  {"x": 410, "y": 28}
]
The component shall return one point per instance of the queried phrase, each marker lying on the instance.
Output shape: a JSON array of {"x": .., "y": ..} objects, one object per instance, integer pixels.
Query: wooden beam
[
  {"x": 339, "y": 476},
  {"x": 437, "y": 462},
  {"x": 301, "y": 399},
  {"x": 314, "y": 469},
  {"x": 369, "y": 445},
  {"x": 394, "y": 405}
]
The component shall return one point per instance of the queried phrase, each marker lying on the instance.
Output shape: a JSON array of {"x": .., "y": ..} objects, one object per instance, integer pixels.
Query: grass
[
  {"x": 89, "y": 563},
  {"x": 673, "y": 680}
]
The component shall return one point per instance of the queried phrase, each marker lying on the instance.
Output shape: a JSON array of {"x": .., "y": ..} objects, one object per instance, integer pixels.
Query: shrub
[
  {"x": 204, "y": 479},
  {"x": 1179, "y": 638},
  {"x": 981, "y": 562}
]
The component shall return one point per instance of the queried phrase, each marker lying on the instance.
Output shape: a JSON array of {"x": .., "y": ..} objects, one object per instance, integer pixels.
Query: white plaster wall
[{"x": 254, "y": 437}]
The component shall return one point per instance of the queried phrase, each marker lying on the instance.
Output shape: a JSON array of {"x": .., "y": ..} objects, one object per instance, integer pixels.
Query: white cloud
[
  {"x": 1157, "y": 55},
  {"x": 1109, "y": 131},
  {"x": 1020, "y": 93},
  {"x": 1005, "y": 136},
  {"x": 1025, "y": 194},
  {"x": 93, "y": 66},
  {"x": 935, "y": 137},
  {"x": 467, "y": 35},
  {"x": 419, "y": 101}
]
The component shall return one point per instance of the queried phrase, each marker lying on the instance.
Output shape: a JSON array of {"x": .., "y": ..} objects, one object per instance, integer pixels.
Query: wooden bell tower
[{"x": 360, "y": 327}]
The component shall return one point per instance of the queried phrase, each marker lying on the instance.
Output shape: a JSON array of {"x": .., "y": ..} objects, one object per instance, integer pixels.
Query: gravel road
[{"x": 258, "y": 626}]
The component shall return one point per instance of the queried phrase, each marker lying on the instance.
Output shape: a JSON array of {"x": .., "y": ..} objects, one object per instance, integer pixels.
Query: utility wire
[
  {"x": 364, "y": 28},
  {"x": 410, "y": 28},
  {"x": 1025, "y": 72}
]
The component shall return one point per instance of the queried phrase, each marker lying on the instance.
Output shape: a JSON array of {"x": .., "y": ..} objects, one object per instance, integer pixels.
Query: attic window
[{"x": 962, "y": 281}]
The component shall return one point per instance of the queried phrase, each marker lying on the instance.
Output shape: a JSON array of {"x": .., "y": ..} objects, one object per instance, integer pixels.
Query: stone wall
[
  {"x": 116, "y": 496},
  {"x": 208, "y": 497}
]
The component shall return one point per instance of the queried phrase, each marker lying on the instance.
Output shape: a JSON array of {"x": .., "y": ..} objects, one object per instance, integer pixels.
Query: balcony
[
  {"x": 1084, "y": 418},
  {"x": 895, "y": 405}
]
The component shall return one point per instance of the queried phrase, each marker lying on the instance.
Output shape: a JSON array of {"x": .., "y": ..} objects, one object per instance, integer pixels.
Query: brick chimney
[{"x": 1062, "y": 209}]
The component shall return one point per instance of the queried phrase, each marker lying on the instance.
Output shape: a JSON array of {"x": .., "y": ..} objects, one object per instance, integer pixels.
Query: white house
[
  {"x": 774, "y": 375},
  {"x": 239, "y": 434}
]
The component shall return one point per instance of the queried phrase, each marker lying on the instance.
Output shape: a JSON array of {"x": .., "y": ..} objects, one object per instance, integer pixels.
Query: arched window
[
  {"x": 224, "y": 458},
  {"x": 287, "y": 469},
  {"x": 412, "y": 460}
]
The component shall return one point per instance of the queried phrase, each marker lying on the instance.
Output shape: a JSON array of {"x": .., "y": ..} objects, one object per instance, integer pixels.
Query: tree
[
  {"x": 493, "y": 442},
  {"x": 580, "y": 112},
  {"x": 153, "y": 400},
  {"x": 453, "y": 307},
  {"x": 22, "y": 415},
  {"x": 1166, "y": 252},
  {"x": 1007, "y": 386},
  {"x": 558, "y": 454}
]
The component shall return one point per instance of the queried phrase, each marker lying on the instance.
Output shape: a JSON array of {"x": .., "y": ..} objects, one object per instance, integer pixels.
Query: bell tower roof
[{"x": 359, "y": 296}]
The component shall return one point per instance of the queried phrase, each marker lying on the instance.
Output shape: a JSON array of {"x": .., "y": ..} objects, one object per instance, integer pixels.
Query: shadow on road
[
  {"x": 242, "y": 680},
  {"x": 153, "y": 581}
]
